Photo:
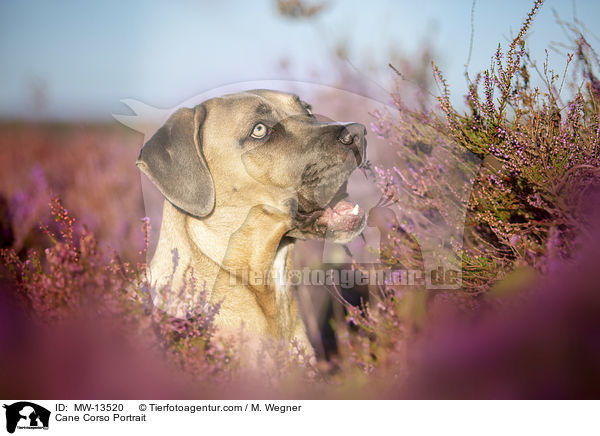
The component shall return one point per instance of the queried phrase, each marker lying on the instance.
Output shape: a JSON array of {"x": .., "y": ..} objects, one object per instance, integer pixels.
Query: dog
[{"x": 244, "y": 176}]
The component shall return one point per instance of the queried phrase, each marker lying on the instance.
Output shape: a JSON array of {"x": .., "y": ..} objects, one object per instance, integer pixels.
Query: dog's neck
[
  {"x": 212, "y": 234},
  {"x": 204, "y": 247}
]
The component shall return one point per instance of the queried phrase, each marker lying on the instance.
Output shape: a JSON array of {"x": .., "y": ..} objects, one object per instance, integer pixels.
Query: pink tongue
[
  {"x": 340, "y": 217},
  {"x": 343, "y": 208}
]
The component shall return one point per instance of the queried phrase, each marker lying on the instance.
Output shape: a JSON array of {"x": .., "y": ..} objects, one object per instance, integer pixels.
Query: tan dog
[{"x": 244, "y": 175}]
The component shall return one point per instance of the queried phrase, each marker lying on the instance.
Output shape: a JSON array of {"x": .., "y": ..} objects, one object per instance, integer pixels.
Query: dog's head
[{"x": 260, "y": 147}]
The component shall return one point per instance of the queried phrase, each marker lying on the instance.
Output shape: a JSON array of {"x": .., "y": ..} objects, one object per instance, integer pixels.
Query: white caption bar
[{"x": 300, "y": 417}]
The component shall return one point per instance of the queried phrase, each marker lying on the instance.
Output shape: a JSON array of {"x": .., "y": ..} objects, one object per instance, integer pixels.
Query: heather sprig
[
  {"x": 75, "y": 279},
  {"x": 529, "y": 205},
  {"x": 540, "y": 158}
]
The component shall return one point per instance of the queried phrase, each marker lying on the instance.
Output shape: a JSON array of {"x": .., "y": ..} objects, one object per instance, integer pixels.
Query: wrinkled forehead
[{"x": 256, "y": 105}]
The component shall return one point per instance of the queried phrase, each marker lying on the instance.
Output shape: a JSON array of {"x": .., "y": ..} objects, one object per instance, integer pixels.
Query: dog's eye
[{"x": 260, "y": 131}]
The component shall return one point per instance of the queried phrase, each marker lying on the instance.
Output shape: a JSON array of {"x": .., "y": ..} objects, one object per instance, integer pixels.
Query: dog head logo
[{"x": 26, "y": 415}]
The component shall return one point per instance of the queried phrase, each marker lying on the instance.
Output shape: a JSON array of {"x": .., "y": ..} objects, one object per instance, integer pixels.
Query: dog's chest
[{"x": 283, "y": 296}]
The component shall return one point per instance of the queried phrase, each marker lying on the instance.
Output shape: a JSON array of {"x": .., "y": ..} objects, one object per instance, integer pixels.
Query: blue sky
[{"x": 87, "y": 56}]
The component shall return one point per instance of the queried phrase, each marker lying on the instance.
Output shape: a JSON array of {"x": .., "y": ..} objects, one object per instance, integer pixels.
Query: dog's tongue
[{"x": 342, "y": 216}]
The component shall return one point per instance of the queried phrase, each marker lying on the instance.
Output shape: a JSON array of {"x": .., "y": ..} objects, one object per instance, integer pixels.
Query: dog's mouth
[{"x": 339, "y": 221}]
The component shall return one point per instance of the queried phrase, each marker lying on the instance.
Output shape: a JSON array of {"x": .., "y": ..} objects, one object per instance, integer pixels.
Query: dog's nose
[{"x": 353, "y": 135}]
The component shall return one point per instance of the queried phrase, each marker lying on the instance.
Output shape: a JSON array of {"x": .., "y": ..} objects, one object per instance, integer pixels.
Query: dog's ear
[{"x": 174, "y": 161}]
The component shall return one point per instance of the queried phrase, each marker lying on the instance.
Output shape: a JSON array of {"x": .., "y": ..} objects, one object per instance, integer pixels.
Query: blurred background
[{"x": 71, "y": 61}]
